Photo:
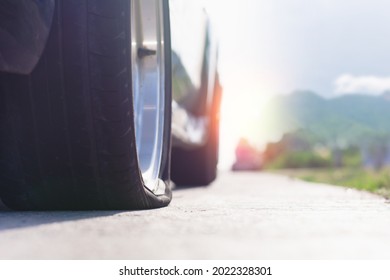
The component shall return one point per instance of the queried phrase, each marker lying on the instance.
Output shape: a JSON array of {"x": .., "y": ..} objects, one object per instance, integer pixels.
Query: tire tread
[{"x": 69, "y": 143}]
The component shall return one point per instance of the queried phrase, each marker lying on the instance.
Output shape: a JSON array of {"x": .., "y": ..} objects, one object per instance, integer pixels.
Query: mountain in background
[{"x": 343, "y": 121}]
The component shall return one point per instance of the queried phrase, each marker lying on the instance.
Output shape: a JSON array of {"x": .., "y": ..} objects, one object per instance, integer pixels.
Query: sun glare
[{"x": 241, "y": 117}]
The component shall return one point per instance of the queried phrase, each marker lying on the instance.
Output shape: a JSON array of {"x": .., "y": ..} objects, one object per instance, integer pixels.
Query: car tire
[
  {"x": 197, "y": 165},
  {"x": 68, "y": 131}
]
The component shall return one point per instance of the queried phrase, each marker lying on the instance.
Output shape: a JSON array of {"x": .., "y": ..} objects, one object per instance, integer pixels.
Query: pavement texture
[{"x": 240, "y": 216}]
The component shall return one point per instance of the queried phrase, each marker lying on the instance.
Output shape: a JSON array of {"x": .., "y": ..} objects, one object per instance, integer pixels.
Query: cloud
[{"x": 347, "y": 84}]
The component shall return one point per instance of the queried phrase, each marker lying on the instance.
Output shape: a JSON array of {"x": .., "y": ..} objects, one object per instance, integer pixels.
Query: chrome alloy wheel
[{"x": 148, "y": 80}]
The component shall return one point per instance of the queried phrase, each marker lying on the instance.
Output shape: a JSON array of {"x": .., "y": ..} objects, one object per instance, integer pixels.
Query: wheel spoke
[{"x": 148, "y": 86}]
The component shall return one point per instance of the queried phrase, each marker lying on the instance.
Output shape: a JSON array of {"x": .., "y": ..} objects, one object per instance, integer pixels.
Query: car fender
[{"x": 24, "y": 29}]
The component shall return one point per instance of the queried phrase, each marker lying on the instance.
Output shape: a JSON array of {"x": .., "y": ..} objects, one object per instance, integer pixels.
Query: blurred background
[{"x": 306, "y": 88}]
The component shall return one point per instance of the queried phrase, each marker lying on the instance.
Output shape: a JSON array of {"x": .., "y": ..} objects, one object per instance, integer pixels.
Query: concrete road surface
[{"x": 240, "y": 216}]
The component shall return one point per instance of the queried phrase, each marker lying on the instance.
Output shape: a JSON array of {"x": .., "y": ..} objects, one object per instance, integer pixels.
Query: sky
[{"x": 270, "y": 47}]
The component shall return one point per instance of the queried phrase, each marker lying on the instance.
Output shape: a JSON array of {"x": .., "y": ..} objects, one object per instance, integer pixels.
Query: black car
[{"x": 103, "y": 102}]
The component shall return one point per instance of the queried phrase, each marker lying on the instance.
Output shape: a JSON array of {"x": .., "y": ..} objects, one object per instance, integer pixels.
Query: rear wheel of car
[{"x": 89, "y": 128}]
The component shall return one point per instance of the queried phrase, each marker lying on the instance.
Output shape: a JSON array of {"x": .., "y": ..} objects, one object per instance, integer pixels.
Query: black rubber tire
[
  {"x": 67, "y": 137},
  {"x": 197, "y": 166}
]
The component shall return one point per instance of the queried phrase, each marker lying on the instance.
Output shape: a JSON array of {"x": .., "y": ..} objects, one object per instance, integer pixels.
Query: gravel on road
[{"x": 240, "y": 216}]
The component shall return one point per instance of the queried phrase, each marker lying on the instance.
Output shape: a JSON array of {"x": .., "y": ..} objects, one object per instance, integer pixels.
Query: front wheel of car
[
  {"x": 89, "y": 128},
  {"x": 197, "y": 165}
]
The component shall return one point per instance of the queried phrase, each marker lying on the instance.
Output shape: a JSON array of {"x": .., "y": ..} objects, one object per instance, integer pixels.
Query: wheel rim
[{"x": 148, "y": 79}]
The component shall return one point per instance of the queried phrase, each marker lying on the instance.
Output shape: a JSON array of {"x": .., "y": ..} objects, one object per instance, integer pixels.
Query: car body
[{"x": 25, "y": 27}]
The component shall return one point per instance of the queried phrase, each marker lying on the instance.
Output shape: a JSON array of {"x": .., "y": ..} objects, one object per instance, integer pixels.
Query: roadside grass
[{"x": 358, "y": 178}]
